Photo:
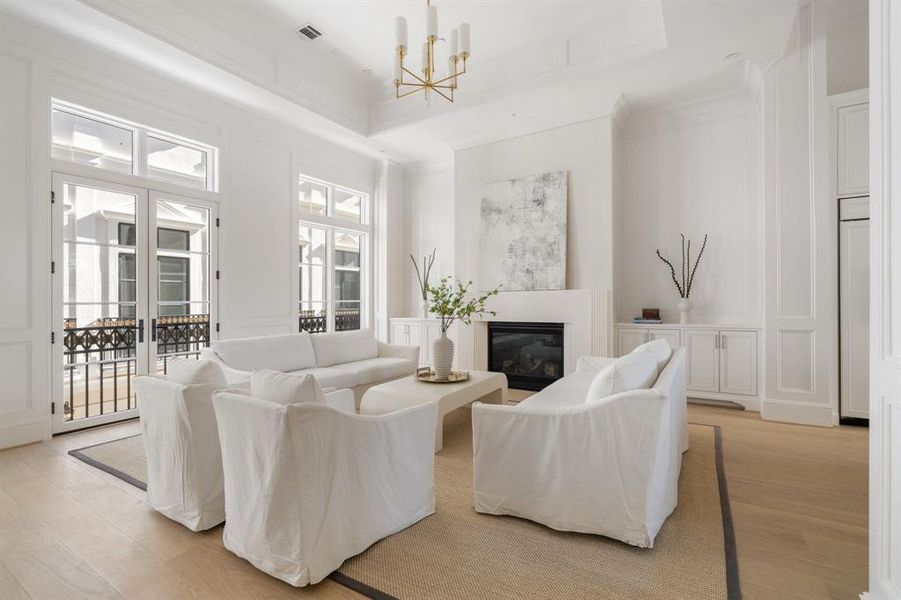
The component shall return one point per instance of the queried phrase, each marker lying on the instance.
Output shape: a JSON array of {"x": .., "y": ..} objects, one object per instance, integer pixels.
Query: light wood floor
[{"x": 67, "y": 530}]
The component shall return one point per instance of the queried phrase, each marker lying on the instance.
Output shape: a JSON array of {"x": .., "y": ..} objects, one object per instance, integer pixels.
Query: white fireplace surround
[{"x": 586, "y": 316}]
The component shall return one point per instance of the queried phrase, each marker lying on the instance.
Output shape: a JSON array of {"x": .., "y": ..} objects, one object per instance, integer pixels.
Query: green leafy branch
[{"x": 448, "y": 300}]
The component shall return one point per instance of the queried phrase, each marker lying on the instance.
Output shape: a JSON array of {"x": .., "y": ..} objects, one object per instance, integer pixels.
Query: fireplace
[{"x": 529, "y": 354}]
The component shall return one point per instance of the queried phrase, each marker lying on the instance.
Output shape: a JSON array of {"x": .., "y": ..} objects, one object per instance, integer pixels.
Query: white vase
[
  {"x": 424, "y": 307},
  {"x": 442, "y": 356},
  {"x": 684, "y": 308}
]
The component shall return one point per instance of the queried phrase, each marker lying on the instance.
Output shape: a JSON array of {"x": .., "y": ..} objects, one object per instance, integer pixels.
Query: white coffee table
[{"x": 408, "y": 391}]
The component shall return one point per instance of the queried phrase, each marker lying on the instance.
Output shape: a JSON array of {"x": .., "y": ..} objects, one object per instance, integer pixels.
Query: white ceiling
[{"x": 535, "y": 63}]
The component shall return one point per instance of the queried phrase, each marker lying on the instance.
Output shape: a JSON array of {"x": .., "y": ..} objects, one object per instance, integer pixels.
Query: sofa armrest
[
  {"x": 232, "y": 375},
  {"x": 397, "y": 351},
  {"x": 593, "y": 363}
]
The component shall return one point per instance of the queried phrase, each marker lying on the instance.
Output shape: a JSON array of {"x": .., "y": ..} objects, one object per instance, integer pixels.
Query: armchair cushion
[
  {"x": 344, "y": 347},
  {"x": 188, "y": 371},
  {"x": 637, "y": 370},
  {"x": 333, "y": 377},
  {"x": 660, "y": 349},
  {"x": 285, "y": 389}
]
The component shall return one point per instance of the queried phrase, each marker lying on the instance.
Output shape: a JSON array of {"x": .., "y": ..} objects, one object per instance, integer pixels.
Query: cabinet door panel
[
  {"x": 854, "y": 275},
  {"x": 853, "y": 176},
  {"x": 399, "y": 334},
  {"x": 702, "y": 360},
  {"x": 416, "y": 339},
  {"x": 630, "y": 337},
  {"x": 738, "y": 362},
  {"x": 670, "y": 335}
]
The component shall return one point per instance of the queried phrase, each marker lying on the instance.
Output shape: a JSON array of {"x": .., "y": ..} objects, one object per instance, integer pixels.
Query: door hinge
[
  {"x": 52, "y": 337},
  {"x": 217, "y": 273},
  {"x": 217, "y": 327},
  {"x": 52, "y": 196},
  {"x": 53, "y": 408},
  {"x": 52, "y": 266},
  {"x": 217, "y": 221}
]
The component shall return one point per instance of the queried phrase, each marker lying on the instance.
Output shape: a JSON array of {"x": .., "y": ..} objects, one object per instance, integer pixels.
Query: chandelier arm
[
  {"x": 410, "y": 93},
  {"x": 414, "y": 76},
  {"x": 449, "y": 77},
  {"x": 443, "y": 95}
]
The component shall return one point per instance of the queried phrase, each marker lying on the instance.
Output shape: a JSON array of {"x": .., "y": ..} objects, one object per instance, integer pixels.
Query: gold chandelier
[{"x": 458, "y": 44}]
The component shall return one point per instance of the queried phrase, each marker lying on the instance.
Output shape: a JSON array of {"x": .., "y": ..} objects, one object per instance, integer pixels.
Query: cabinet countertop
[{"x": 691, "y": 326}]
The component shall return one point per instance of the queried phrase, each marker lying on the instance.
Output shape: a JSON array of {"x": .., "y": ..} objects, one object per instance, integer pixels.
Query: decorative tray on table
[{"x": 427, "y": 375}]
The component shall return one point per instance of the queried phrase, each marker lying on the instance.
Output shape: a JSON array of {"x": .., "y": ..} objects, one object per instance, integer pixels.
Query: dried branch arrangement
[
  {"x": 688, "y": 271},
  {"x": 422, "y": 275}
]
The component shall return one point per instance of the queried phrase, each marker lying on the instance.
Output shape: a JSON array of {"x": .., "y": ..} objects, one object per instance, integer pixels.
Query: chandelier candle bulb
[
  {"x": 401, "y": 26},
  {"x": 464, "y": 39},
  {"x": 432, "y": 19}
]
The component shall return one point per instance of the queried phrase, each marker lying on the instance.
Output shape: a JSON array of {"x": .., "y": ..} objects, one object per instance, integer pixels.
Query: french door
[{"x": 133, "y": 288}]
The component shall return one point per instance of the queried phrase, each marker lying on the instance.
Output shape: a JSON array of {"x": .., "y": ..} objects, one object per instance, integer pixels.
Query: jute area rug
[{"x": 460, "y": 554}]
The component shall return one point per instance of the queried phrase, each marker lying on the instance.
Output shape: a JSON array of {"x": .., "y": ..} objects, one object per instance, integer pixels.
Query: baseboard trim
[
  {"x": 751, "y": 403},
  {"x": 799, "y": 413},
  {"x": 25, "y": 431}
]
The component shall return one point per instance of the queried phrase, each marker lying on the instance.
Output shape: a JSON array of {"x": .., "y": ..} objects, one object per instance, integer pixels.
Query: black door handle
[
  {"x": 152, "y": 330},
  {"x": 140, "y": 331}
]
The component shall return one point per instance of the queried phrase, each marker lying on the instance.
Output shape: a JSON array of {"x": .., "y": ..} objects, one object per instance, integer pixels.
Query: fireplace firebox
[{"x": 529, "y": 354}]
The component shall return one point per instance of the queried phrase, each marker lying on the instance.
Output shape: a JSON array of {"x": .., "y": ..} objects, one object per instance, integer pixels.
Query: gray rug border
[
  {"x": 79, "y": 454},
  {"x": 733, "y": 582}
]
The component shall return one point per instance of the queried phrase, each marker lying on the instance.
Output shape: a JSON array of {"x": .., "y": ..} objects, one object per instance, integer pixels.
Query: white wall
[
  {"x": 430, "y": 201},
  {"x": 801, "y": 228},
  {"x": 260, "y": 159},
  {"x": 847, "y": 60},
  {"x": 695, "y": 170},
  {"x": 584, "y": 150}
]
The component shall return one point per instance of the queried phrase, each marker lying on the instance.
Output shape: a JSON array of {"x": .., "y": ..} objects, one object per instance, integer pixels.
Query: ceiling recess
[{"x": 309, "y": 32}]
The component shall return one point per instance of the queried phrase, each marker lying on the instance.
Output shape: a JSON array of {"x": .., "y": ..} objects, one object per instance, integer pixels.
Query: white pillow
[
  {"x": 188, "y": 371},
  {"x": 285, "y": 389},
  {"x": 344, "y": 347},
  {"x": 661, "y": 350},
  {"x": 637, "y": 370},
  {"x": 288, "y": 352}
]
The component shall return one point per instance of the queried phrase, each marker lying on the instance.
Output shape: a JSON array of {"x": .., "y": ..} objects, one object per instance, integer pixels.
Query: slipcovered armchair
[
  {"x": 607, "y": 466},
  {"x": 184, "y": 461},
  {"x": 308, "y": 486}
]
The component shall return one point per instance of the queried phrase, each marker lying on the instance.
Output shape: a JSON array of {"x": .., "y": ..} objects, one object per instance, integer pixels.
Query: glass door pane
[
  {"x": 313, "y": 283},
  {"x": 347, "y": 281},
  {"x": 182, "y": 278},
  {"x": 99, "y": 289}
]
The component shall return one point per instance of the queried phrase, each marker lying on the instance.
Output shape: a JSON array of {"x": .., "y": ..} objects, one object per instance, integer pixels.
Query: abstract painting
[{"x": 522, "y": 241}]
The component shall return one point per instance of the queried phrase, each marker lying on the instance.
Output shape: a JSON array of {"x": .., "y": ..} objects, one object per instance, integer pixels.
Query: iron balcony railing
[
  {"x": 317, "y": 322},
  {"x": 99, "y": 360}
]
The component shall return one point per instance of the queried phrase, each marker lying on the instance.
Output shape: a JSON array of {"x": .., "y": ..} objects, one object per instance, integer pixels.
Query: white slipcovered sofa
[
  {"x": 308, "y": 486},
  {"x": 347, "y": 359},
  {"x": 598, "y": 451},
  {"x": 181, "y": 440}
]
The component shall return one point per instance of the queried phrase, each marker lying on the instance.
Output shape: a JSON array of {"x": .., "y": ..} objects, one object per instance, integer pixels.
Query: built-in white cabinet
[
  {"x": 702, "y": 360},
  {"x": 722, "y": 361},
  {"x": 421, "y": 332},
  {"x": 853, "y": 150},
  {"x": 738, "y": 362},
  {"x": 629, "y": 338}
]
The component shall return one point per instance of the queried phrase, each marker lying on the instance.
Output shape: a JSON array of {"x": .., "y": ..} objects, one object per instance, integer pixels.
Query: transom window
[
  {"x": 87, "y": 137},
  {"x": 334, "y": 237}
]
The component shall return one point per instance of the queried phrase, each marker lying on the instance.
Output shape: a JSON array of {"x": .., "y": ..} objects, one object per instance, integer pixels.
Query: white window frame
[
  {"x": 139, "y": 137},
  {"x": 331, "y": 225}
]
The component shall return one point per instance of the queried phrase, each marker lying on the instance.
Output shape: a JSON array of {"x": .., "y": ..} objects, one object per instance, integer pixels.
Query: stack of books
[{"x": 643, "y": 321}]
